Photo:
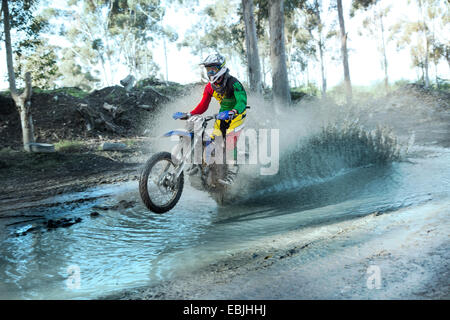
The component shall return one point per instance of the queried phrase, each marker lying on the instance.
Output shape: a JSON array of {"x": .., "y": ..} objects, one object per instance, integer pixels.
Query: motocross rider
[{"x": 230, "y": 94}]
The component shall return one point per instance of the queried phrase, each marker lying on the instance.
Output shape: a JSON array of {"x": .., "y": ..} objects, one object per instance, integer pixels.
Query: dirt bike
[{"x": 162, "y": 179}]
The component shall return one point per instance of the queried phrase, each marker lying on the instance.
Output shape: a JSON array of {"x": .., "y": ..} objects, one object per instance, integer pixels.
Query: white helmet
[{"x": 216, "y": 64}]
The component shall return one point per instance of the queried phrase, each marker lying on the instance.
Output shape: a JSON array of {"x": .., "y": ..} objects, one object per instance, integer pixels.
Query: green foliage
[
  {"x": 72, "y": 91},
  {"x": 423, "y": 37},
  {"x": 310, "y": 89},
  {"x": 106, "y": 33},
  {"x": 26, "y": 24},
  {"x": 41, "y": 63},
  {"x": 73, "y": 74},
  {"x": 361, "y": 5},
  {"x": 219, "y": 31},
  {"x": 69, "y": 146}
]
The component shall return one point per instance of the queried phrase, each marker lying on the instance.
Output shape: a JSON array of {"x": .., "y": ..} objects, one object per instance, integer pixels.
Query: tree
[
  {"x": 254, "y": 66},
  {"x": 310, "y": 38},
  {"x": 421, "y": 36},
  {"x": 280, "y": 83},
  {"x": 74, "y": 75},
  {"x": 344, "y": 53},
  {"x": 88, "y": 33},
  {"x": 42, "y": 65},
  {"x": 300, "y": 46},
  {"x": 21, "y": 20},
  {"x": 106, "y": 33},
  {"x": 218, "y": 31},
  {"x": 317, "y": 8},
  {"x": 375, "y": 27},
  {"x": 133, "y": 25}
]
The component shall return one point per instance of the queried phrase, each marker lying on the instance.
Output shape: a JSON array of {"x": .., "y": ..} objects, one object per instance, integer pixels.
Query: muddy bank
[
  {"x": 401, "y": 255},
  {"x": 27, "y": 177}
]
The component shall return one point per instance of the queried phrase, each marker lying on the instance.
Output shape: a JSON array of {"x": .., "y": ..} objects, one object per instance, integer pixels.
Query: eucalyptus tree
[
  {"x": 134, "y": 25},
  {"x": 374, "y": 26},
  {"x": 316, "y": 22},
  {"x": 280, "y": 82},
  {"x": 106, "y": 33},
  {"x": 18, "y": 16},
  {"x": 42, "y": 63},
  {"x": 253, "y": 63},
  {"x": 220, "y": 28},
  {"x": 424, "y": 37},
  {"x": 344, "y": 52}
]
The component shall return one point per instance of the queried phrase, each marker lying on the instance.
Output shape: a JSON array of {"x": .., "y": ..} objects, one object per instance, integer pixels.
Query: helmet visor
[{"x": 211, "y": 71}]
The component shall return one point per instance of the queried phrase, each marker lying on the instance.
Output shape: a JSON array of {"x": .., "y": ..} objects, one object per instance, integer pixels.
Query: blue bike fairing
[{"x": 179, "y": 133}]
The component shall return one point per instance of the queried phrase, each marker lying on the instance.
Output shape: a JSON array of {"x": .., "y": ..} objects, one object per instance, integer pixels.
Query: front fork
[{"x": 184, "y": 157}]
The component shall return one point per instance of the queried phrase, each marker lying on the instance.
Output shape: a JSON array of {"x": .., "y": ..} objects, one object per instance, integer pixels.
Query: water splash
[{"x": 318, "y": 140}]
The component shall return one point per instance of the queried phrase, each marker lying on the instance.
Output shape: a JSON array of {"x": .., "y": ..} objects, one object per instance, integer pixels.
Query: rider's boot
[
  {"x": 230, "y": 175},
  {"x": 194, "y": 169}
]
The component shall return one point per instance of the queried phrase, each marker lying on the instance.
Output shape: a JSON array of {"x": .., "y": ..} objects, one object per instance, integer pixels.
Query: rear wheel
[{"x": 159, "y": 188}]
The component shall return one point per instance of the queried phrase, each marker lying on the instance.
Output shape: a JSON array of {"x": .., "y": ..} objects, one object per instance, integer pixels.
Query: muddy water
[{"x": 129, "y": 246}]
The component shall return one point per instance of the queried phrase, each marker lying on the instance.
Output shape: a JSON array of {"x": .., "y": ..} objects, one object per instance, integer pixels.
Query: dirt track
[{"x": 27, "y": 177}]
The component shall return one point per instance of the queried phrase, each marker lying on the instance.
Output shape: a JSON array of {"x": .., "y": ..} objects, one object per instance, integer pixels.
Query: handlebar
[{"x": 209, "y": 118}]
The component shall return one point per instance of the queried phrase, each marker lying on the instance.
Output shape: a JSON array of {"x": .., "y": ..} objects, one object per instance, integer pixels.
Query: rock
[
  {"x": 124, "y": 204},
  {"x": 41, "y": 147},
  {"x": 94, "y": 214},
  {"x": 67, "y": 224},
  {"x": 145, "y": 107},
  {"x": 51, "y": 224},
  {"x": 109, "y": 107},
  {"x": 128, "y": 82},
  {"x": 61, "y": 223},
  {"x": 112, "y": 146}
]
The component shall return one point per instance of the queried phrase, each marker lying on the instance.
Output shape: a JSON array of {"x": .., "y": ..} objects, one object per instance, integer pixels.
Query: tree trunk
[
  {"x": 254, "y": 67},
  {"x": 24, "y": 106},
  {"x": 348, "y": 84},
  {"x": 280, "y": 83},
  {"x": 23, "y": 101},
  {"x": 321, "y": 44},
  {"x": 385, "y": 64},
  {"x": 263, "y": 72},
  {"x": 165, "y": 58},
  {"x": 427, "y": 48},
  {"x": 436, "y": 74},
  {"x": 322, "y": 70}
]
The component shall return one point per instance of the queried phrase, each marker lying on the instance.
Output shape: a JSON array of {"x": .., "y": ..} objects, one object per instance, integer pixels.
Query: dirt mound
[
  {"x": 6, "y": 105},
  {"x": 70, "y": 114},
  {"x": 432, "y": 98}
]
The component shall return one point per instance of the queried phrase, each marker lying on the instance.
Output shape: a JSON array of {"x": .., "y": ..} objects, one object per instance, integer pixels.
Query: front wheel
[{"x": 159, "y": 188}]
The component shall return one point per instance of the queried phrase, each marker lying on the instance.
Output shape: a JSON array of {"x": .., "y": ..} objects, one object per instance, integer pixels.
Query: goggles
[{"x": 212, "y": 71}]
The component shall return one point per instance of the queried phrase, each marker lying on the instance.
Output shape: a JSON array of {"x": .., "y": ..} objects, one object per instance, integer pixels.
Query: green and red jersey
[{"x": 234, "y": 97}]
